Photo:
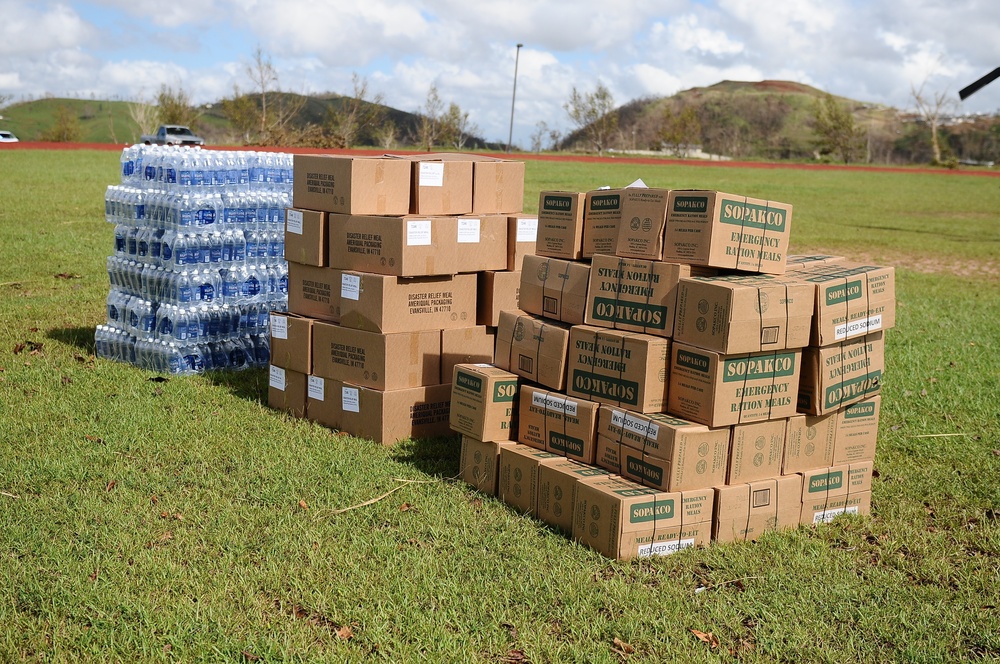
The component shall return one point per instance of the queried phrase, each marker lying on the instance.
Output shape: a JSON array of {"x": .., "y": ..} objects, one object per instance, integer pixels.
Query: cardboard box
[
  {"x": 744, "y": 512},
  {"x": 663, "y": 452},
  {"x": 384, "y": 417},
  {"x": 744, "y": 314},
  {"x": 841, "y": 374},
  {"x": 480, "y": 463},
  {"x": 533, "y": 348},
  {"x": 608, "y": 454},
  {"x": 497, "y": 184},
  {"x": 305, "y": 237},
  {"x": 634, "y": 294},
  {"x": 497, "y": 291},
  {"x": 556, "y": 495},
  {"x": 558, "y": 424},
  {"x": 522, "y": 239},
  {"x": 518, "y": 485},
  {"x": 410, "y": 246},
  {"x": 377, "y": 361},
  {"x": 619, "y": 368},
  {"x": 643, "y": 215},
  {"x": 314, "y": 291},
  {"x": 481, "y": 243},
  {"x": 852, "y": 299},
  {"x": 484, "y": 402},
  {"x": 829, "y": 492},
  {"x": 719, "y": 390},
  {"x": 440, "y": 186},
  {"x": 602, "y": 215},
  {"x": 798, "y": 261},
  {"x": 385, "y": 304},
  {"x": 351, "y": 185},
  {"x": 554, "y": 288},
  {"x": 286, "y": 390},
  {"x": 291, "y": 341},
  {"x": 623, "y": 520},
  {"x": 756, "y": 450},
  {"x": 465, "y": 345},
  {"x": 810, "y": 442},
  {"x": 560, "y": 225},
  {"x": 716, "y": 229},
  {"x": 857, "y": 431}
]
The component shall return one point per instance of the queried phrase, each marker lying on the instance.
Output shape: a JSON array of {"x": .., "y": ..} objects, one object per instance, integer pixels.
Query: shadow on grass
[
  {"x": 249, "y": 384},
  {"x": 433, "y": 456},
  {"x": 79, "y": 337}
]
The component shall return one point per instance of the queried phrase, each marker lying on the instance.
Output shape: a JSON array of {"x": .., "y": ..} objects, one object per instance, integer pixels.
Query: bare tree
[
  {"x": 174, "y": 107},
  {"x": 357, "y": 114},
  {"x": 679, "y": 130},
  {"x": 144, "y": 114},
  {"x": 836, "y": 132},
  {"x": 385, "y": 134},
  {"x": 269, "y": 118},
  {"x": 456, "y": 128},
  {"x": 538, "y": 136},
  {"x": 594, "y": 113},
  {"x": 429, "y": 127},
  {"x": 932, "y": 109}
]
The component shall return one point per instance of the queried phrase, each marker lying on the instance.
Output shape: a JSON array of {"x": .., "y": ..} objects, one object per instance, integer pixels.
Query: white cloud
[{"x": 27, "y": 31}]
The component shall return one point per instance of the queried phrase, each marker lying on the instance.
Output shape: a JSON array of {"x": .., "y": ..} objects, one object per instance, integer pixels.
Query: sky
[{"x": 875, "y": 51}]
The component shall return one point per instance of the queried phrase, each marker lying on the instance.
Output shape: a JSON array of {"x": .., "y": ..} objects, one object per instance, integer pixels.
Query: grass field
[{"x": 185, "y": 521}]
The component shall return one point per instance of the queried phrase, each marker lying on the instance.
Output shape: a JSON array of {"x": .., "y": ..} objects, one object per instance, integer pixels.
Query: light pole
[{"x": 513, "y": 95}]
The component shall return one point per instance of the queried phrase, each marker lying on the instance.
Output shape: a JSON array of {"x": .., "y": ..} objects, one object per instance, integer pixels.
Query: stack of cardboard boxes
[
  {"x": 398, "y": 269},
  {"x": 678, "y": 379}
]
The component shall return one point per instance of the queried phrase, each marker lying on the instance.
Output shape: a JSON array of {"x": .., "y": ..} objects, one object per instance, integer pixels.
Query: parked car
[
  {"x": 7, "y": 137},
  {"x": 172, "y": 135}
]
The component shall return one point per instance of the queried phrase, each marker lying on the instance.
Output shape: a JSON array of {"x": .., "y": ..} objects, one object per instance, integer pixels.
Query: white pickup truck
[{"x": 172, "y": 135}]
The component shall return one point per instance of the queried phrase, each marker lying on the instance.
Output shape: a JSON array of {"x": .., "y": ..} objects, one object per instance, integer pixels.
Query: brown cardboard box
[
  {"x": 623, "y": 520},
  {"x": 719, "y": 390},
  {"x": 305, "y": 237},
  {"x": 841, "y": 374},
  {"x": 744, "y": 314},
  {"x": 640, "y": 234},
  {"x": 663, "y": 452},
  {"x": 857, "y": 431},
  {"x": 480, "y": 463},
  {"x": 440, "y": 185},
  {"x": 602, "y": 215},
  {"x": 522, "y": 239},
  {"x": 465, "y": 345},
  {"x": 518, "y": 485},
  {"x": 497, "y": 184},
  {"x": 554, "y": 288},
  {"x": 533, "y": 348},
  {"x": 556, "y": 423},
  {"x": 810, "y": 442},
  {"x": 716, "y": 229},
  {"x": 377, "y": 361},
  {"x": 314, "y": 291},
  {"x": 410, "y": 246},
  {"x": 384, "y": 304},
  {"x": 756, "y": 451},
  {"x": 608, "y": 454},
  {"x": 744, "y": 512},
  {"x": 560, "y": 225},
  {"x": 291, "y": 341},
  {"x": 852, "y": 299},
  {"x": 634, "y": 294},
  {"x": 384, "y": 417},
  {"x": 286, "y": 390},
  {"x": 484, "y": 402},
  {"x": 556, "y": 496},
  {"x": 481, "y": 243},
  {"x": 351, "y": 185},
  {"x": 497, "y": 291},
  {"x": 830, "y": 492},
  {"x": 619, "y": 368},
  {"x": 798, "y": 261}
]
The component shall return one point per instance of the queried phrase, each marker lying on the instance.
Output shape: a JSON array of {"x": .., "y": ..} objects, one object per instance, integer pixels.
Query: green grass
[{"x": 161, "y": 521}]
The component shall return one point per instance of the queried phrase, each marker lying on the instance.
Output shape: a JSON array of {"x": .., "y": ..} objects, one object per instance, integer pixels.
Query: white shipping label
[
  {"x": 468, "y": 231},
  {"x": 665, "y": 548},
  {"x": 827, "y": 516},
  {"x": 293, "y": 221},
  {"x": 858, "y": 327},
  {"x": 555, "y": 403},
  {"x": 418, "y": 233},
  {"x": 279, "y": 327},
  {"x": 432, "y": 174},
  {"x": 527, "y": 230},
  {"x": 631, "y": 423},
  {"x": 350, "y": 286},
  {"x": 317, "y": 388},
  {"x": 277, "y": 378},
  {"x": 349, "y": 400}
]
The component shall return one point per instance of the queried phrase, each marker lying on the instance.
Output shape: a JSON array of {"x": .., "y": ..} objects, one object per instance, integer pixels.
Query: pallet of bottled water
[{"x": 198, "y": 261}]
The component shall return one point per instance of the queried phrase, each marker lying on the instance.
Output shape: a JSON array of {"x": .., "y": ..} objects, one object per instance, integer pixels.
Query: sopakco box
[
  {"x": 719, "y": 390},
  {"x": 756, "y": 451},
  {"x": 664, "y": 452},
  {"x": 291, "y": 341},
  {"x": 810, "y": 441},
  {"x": 602, "y": 215},
  {"x": 480, "y": 463},
  {"x": 518, "y": 483},
  {"x": 852, "y": 299},
  {"x": 744, "y": 314},
  {"x": 830, "y": 492},
  {"x": 440, "y": 186},
  {"x": 554, "y": 288},
  {"x": 497, "y": 291},
  {"x": 380, "y": 303},
  {"x": 746, "y": 511},
  {"x": 305, "y": 237},
  {"x": 556, "y": 495},
  {"x": 560, "y": 225},
  {"x": 533, "y": 348},
  {"x": 377, "y": 361},
  {"x": 286, "y": 390},
  {"x": 857, "y": 431},
  {"x": 716, "y": 229},
  {"x": 497, "y": 184},
  {"x": 620, "y": 368},
  {"x": 640, "y": 234},
  {"x": 522, "y": 235},
  {"x": 841, "y": 374},
  {"x": 481, "y": 243},
  {"x": 556, "y": 423},
  {"x": 465, "y": 345},
  {"x": 409, "y": 246},
  {"x": 622, "y": 519},
  {"x": 484, "y": 402},
  {"x": 633, "y": 294},
  {"x": 798, "y": 261},
  {"x": 314, "y": 291},
  {"x": 351, "y": 185}
]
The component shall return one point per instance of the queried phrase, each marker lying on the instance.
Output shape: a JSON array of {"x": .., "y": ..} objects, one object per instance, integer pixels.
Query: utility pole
[{"x": 513, "y": 96}]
